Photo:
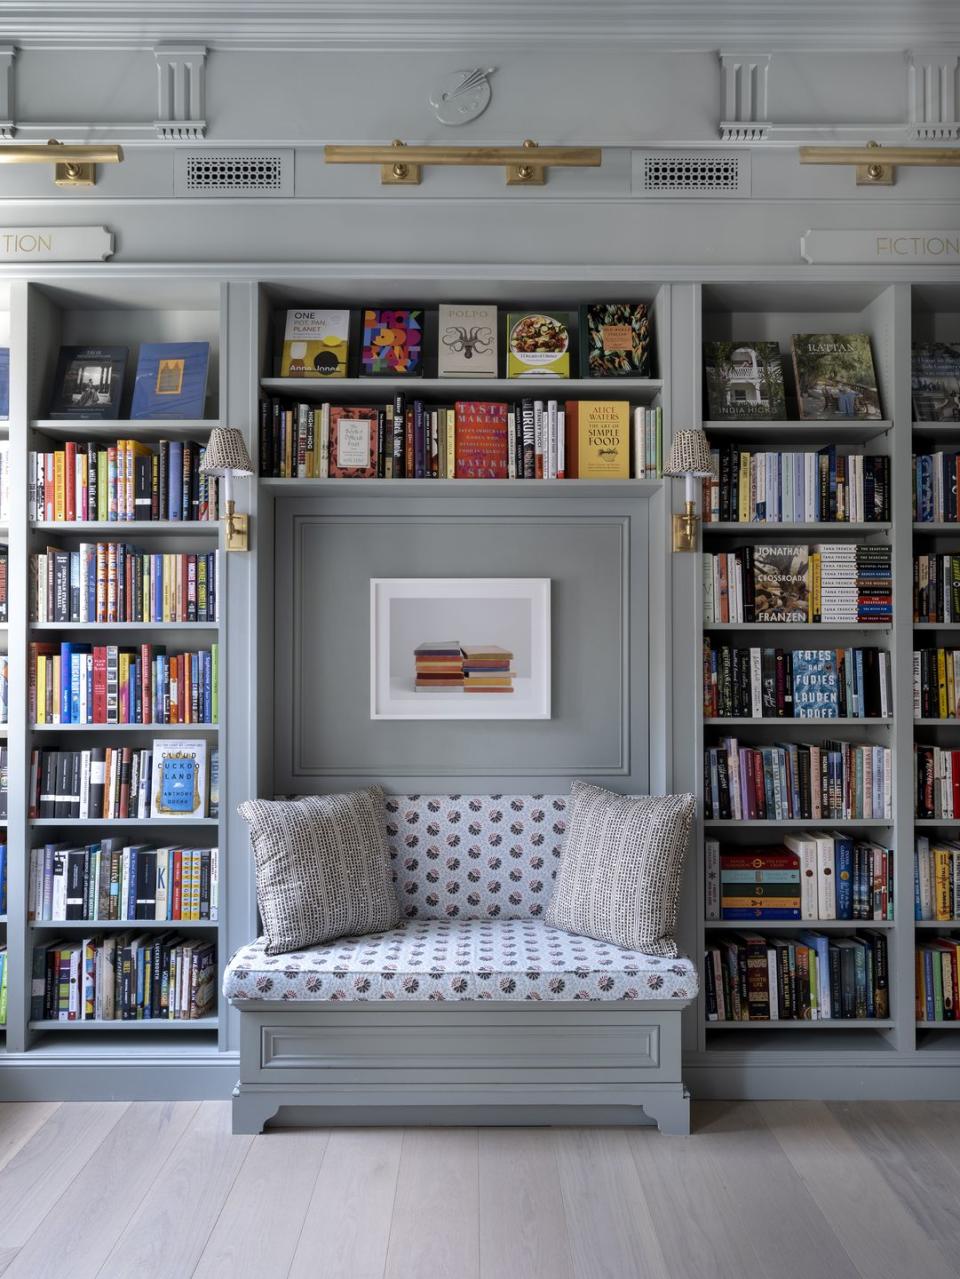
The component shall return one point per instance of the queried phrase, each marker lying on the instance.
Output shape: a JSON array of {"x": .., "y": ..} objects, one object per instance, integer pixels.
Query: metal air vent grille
[
  {"x": 713, "y": 174},
  {"x": 234, "y": 173}
]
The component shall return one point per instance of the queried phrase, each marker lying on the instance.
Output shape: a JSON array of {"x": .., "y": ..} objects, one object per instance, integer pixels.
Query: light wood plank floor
[{"x": 773, "y": 1190}]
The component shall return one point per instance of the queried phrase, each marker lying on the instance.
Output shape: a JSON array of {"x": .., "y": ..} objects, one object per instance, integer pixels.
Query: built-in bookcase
[
  {"x": 741, "y": 313},
  {"x": 936, "y": 318},
  {"x": 44, "y": 316}
]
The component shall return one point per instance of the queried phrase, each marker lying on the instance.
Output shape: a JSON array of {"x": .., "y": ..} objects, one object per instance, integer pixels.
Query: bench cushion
[{"x": 459, "y": 959}]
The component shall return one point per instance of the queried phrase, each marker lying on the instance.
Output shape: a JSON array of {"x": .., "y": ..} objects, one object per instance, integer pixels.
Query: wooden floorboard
[{"x": 864, "y": 1190}]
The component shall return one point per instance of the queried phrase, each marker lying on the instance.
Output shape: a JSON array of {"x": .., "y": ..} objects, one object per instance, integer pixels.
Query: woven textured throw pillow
[
  {"x": 620, "y": 868},
  {"x": 323, "y": 870}
]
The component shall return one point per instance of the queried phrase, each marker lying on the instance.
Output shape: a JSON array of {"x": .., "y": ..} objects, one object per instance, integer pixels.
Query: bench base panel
[{"x": 464, "y": 1063}]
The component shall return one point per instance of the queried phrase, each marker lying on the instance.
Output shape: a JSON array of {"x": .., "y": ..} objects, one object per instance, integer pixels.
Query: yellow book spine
[
  {"x": 55, "y": 680},
  {"x": 451, "y": 444},
  {"x": 942, "y": 867},
  {"x": 951, "y": 690},
  {"x": 743, "y": 489},
  {"x": 167, "y": 565},
  {"x": 41, "y": 689}
]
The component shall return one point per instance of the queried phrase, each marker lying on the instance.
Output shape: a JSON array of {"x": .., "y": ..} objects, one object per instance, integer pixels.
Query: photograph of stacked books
[
  {"x": 439, "y": 664},
  {"x": 806, "y": 977},
  {"x": 486, "y": 669}
]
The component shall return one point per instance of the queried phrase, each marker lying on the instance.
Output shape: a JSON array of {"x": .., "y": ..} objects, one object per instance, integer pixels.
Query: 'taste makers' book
[{"x": 481, "y": 440}]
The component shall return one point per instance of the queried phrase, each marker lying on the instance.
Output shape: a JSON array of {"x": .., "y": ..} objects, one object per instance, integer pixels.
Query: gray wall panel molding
[
  {"x": 933, "y": 93},
  {"x": 8, "y": 99},
  {"x": 181, "y": 95},
  {"x": 745, "y": 115}
]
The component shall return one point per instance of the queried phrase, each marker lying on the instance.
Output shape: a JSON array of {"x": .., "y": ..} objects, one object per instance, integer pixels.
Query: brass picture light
[{"x": 75, "y": 162}]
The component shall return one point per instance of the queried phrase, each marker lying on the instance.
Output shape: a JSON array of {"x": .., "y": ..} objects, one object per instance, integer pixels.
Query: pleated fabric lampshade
[
  {"x": 690, "y": 455},
  {"x": 226, "y": 453}
]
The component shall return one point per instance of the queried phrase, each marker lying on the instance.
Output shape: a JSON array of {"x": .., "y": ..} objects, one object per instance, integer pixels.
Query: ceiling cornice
[{"x": 446, "y": 24}]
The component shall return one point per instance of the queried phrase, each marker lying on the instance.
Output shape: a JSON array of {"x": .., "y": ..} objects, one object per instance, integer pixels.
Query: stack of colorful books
[
  {"x": 486, "y": 669},
  {"x": 439, "y": 664}
]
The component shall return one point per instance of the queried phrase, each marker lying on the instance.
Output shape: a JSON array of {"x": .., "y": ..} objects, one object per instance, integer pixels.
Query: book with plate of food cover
[
  {"x": 936, "y": 381},
  {"x": 538, "y": 343},
  {"x": 88, "y": 382},
  {"x": 392, "y": 343},
  {"x": 467, "y": 340},
  {"x": 617, "y": 339},
  {"x": 744, "y": 381},
  {"x": 836, "y": 379},
  {"x": 315, "y": 344},
  {"x": 354, "y": 431},
  {"x": 171, "y": 380},
  {"x": 597, "y": 444},
  {"x": 780, "y": 583}
]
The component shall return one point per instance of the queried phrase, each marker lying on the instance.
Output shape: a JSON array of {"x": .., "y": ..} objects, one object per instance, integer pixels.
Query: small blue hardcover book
[{"x": 171, "y": 380}]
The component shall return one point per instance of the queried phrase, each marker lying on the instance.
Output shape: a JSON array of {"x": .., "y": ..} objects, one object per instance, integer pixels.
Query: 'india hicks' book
[{"x": 597, "y": 440}]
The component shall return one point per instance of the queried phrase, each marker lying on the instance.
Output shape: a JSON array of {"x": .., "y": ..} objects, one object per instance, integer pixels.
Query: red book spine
[
  {"x": 99, "y": 684},
  {"x": 70, "y": 480},
  {"x": 760, "y": 793},
  {"x": 177, "y": 882},
  {"x": 146, "y": 683}
]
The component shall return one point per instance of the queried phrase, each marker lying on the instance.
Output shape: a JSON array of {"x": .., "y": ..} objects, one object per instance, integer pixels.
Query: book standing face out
[
  {"x": 353, "y": 442},
  {"x": 538, "y": 344},
  {"x": 617, "y": 340},
  {"x": 780, "y": 583},
  {"x": 171, "y": 380},
  {"x": 936, "y": 382},
  {"x": 467, "y": 341},
  {"x": 179, "y": 779},
  {"x": 481, "y": 440},
  {"x": 392, "y": 343},
  {"x": 836, "y": 379},
  {"x": 597, "y": 439},
  {"x": 315, "y": 344},
  {"x": 88, "y": 382},
  {"x": 744, "y": 381}
]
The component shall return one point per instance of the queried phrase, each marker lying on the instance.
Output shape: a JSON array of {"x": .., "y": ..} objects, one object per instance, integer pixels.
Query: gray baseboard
[
  {"x": 821, "y": 1081},
  {"x": 31, "y": 1077}
]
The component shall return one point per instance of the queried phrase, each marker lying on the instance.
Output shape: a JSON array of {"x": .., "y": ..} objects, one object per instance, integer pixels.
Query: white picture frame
[{"x": 490, "y": 618}]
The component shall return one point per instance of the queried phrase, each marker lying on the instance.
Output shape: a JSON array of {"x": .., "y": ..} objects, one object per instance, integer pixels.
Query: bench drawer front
[{"x": 563, "y": 1051}]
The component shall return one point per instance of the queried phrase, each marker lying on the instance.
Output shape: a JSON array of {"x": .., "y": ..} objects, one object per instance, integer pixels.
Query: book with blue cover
[
  {"x": 815, "y": 684},
  {"x": 171, "y": 380}
]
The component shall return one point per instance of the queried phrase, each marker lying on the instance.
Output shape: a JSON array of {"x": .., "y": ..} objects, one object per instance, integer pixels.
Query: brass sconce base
[
  {"x": 236, "y": 530},
  {"x": 75, "y": 175},
  {"x": 685, "y": 528}
]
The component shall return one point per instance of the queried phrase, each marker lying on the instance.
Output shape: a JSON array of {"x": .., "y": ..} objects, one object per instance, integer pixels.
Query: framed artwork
[{"x": 460, "y": 648}]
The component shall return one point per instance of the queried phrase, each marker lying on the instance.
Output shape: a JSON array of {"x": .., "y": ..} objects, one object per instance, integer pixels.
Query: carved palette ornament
[{"x": 462, "y": 95}]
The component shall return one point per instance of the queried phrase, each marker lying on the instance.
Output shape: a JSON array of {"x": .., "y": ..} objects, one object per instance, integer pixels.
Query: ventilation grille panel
[
  {"x": 210, "y": 174},
  {"x": 691, "y": 174}
]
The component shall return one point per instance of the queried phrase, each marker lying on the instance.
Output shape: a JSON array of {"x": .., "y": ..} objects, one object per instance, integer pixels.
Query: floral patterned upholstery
[
  {"x": 473, "y": 874},
  {"x": 459, "y": 959}
]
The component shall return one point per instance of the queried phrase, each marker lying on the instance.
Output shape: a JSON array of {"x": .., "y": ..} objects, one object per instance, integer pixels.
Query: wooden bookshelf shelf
[
  {"x": 929, "y": 722},
  {"x": 177, "y": 730},
  {"x": 928, "y": 526},
  {"x": 378, "y": 390},
  {"x": 158, "y": 1023},
  {"x": 873, "y": 628},
  {"x": 795, "y": 925},
  {"x": 818, "y": 531},
  {"x": 119, "y": 925},
  {"x": 936, "y": 626},
  {"x": 952, "y": 822},
  {"x": 123, "y": 428},
  {"x": 118, "y": 530},
  {"x": 830, "y": 1023},
  {"x": 467, "y": 488},
  {"x": 845, "y": 721},
  {"x": 191, "y": 628},
  {"x": 797, "y": 823},
  {"x": 938, "y": 1025},
  {"x": 158, "y": 824},
  {"x": 932, "y": 925},
  {"x": 815, "y": 434}
]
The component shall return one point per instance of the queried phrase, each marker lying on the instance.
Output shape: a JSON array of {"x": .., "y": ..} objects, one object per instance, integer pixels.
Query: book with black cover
[{"x": 88, "y": 382}]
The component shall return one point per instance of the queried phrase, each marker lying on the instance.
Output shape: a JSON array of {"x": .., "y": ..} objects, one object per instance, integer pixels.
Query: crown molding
[{"x": 382, "y": 25}]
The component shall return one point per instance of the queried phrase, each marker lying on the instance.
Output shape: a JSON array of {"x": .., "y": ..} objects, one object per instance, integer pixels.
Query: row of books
[
  {"x": 113, "y": 880},
  {"x": 3, "y": 872},
  {"x": 116, "y": 582},
  {"x": 799, "y": 683},
  {"x": 833, "y": 582},
  {"x": 171, "y": 381},
  {"x": 835, "y": 378},
  {"x": 472, "y": 439},
  {"x": 938, "y": 979},
  {"x": 936, "y": 683},
  {"x": 615, "y": 340},
  {"x": 833, "y": 781},
  {"x": 935, "y": 477},
  {"x": 936, "y": 879},
  {"x": 72, "y": 683},
  {"x": 811, "y": 875},
  {"x": 4, "y": 481},
  {"x": 4, "y": 581},
  {"x": 128, "y": 480},
  {"x": 4, "y": 787},
  {"x": 936, "y": 782},
  {"x": 3, "y": 983},
  {"x": 173, "y": 779},
  {"x": 4, "y": 688},
  {"x": 124, "y": 977},
  {"x": 804, "y": 487},
  {"x": 936, "y": 588},
  {"x": 810, "y": 977}
]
